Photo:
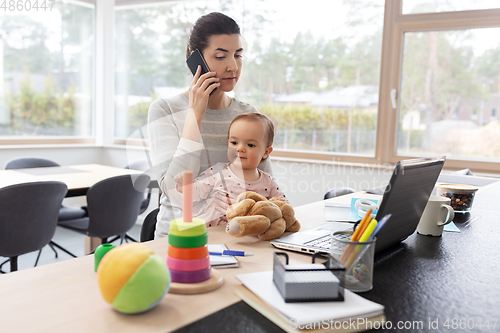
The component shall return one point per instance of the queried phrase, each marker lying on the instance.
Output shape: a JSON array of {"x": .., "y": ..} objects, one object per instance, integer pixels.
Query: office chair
[
  {"x": 149, "y": 226},
  {"x": 337, "y": 192},
  {"x": 28, "y": 218},
  {"x": 113, "y": 207},
  {"x": 65, "y": 212},
  {"x": 142, "y": 165}
]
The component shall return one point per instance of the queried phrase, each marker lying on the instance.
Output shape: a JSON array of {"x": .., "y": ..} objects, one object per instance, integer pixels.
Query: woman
[{"x": 189, "y": 131}]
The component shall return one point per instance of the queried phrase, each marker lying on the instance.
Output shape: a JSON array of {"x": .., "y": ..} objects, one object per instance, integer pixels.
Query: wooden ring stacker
[
  {"x": 184, "y": 265},
  {"x": 188, "y": 242},
  {"x": 187, "y": 253},
  {"x": 197, "y": 288}
]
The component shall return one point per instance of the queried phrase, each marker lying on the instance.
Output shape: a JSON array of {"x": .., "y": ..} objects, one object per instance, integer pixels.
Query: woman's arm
[{"x": 170, "y": 153}]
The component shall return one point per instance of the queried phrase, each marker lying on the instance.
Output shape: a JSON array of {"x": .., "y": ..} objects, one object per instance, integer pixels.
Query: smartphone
[{"x": 196, "y": 59}]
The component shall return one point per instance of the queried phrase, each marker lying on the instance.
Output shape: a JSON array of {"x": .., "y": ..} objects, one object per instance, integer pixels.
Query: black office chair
[
  {"x": 65, "y": 212},
  {"x": 149, "y": 226},
  {"x": 28, "y": 218},
  {"x": 337, "y": 192},
  {"x": 142, "y": 165},
  {"x": 113, "y": 207}
]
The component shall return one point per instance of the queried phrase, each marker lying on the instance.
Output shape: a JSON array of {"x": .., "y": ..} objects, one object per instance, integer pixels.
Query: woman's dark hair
[{"x": 208, "y": 25}]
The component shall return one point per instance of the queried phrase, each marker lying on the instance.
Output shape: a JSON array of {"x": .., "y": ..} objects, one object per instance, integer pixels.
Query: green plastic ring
[
  {"x": 188, "y": 242},
  {"x": 187, "y": 229}
]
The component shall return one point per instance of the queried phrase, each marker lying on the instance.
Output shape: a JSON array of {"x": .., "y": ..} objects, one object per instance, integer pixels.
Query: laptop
[{"x": 405, "y": 197}]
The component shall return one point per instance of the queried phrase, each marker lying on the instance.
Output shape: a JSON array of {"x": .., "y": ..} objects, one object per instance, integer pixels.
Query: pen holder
[{"x": 357, "y": 257}]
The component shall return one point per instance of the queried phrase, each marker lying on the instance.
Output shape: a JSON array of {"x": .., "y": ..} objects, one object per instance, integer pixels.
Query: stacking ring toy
[
  {"x": 185, "y": 242},
  {"x": 187, "y": 229},
  {"x": 188, "y": 265},
  {"x": 190, "y": 277},
  {"x": 187, "y": 253}
]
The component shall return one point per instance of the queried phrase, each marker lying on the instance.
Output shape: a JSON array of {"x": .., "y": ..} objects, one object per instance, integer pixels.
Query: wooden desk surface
[
  {"x": 89, "y": 175},
  {"x": 64, "y": 297}
]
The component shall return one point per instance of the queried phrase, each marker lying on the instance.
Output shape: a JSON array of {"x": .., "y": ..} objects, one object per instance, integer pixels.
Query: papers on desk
[
  {"x": 344, "y": 212},
  {"x": 354, "y": 306},
  {"x": 221, "y": 261}
]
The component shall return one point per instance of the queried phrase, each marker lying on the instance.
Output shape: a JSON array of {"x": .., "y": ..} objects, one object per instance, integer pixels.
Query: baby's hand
[
  {"x": 179, "y": 181},
  {"x": 281, "y": 198}
]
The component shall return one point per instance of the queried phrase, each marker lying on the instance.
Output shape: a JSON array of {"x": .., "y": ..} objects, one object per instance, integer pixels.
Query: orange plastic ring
[{"x": 187, "y": 253}]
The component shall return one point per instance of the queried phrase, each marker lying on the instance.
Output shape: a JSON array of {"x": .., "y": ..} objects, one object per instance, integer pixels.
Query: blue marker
[
  {"x": 231, "y": 253},
  {"x": 379, "y": 226}
]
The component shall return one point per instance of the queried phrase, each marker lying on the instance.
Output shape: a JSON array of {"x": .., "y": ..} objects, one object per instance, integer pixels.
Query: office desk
[{"x": 425, "y": 278}]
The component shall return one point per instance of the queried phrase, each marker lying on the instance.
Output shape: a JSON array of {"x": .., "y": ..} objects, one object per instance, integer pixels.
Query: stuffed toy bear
[{"x": 253, "y": 214}]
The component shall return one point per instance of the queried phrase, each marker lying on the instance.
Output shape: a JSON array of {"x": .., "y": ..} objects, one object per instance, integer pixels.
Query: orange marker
[
  {"x": 187, "y": 196},
  {"x": 356, "y": 235}
]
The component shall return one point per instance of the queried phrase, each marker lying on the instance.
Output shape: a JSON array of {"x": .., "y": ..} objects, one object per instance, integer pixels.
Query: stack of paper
[
  {"x": 310, "y": 313},
  {"x": 221, "y": 261}
]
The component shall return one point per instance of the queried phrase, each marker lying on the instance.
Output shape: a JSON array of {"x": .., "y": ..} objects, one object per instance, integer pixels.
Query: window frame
[
  {"x": 395, "y": 25},
  {"x": 43, "y": 141}
]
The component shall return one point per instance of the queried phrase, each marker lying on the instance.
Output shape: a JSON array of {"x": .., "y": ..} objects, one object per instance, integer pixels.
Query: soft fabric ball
[{"x": 132, "y": 278}]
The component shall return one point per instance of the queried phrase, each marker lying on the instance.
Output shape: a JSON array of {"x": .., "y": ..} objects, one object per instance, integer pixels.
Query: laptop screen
[{"x": 405, "y": 198}]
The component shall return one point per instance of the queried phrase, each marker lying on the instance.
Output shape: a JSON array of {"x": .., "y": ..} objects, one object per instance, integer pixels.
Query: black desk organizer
[{"x": 309, "y": 283}]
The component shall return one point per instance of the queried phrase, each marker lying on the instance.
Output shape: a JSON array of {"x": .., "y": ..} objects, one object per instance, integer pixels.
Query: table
[
  {"x": 425, "y": 278},
  {"x": 78, "y": 179}
]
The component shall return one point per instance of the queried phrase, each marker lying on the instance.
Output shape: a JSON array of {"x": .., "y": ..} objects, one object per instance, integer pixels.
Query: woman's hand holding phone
[{"x": 199, "y": 92}]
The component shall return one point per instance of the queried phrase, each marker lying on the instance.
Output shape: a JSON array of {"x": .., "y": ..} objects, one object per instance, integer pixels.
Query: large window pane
[
  {"x": 450, "y": 94},
  {"x": 46, "y": 70},
  {"x": 318, "y": 82},
  {"x": 432, "y": 6}
]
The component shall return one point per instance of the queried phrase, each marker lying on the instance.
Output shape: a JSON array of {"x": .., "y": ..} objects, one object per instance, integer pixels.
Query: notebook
[
  {"x": 405, "y": 198},
  {"x": 302, "y": 314},
  {"x": 221, "y": 261}
]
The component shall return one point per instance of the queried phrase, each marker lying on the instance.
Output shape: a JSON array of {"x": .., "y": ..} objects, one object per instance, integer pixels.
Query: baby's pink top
[{"x": 218, "y": 180}]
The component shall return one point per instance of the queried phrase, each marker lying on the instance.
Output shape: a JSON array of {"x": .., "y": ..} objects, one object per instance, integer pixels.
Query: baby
[{"x": 250, "y": 142}]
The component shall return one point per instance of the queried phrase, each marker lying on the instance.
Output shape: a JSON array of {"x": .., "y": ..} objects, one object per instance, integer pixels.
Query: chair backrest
[
  {"x": 149, "y": 226},
  {"x": 28, "y": 216},
  {"x": 114, "y": 203},
  {"x": 141, "y": 165},
  {"x": 337, "y": 192},
  {"x": 29, "y": 162}
]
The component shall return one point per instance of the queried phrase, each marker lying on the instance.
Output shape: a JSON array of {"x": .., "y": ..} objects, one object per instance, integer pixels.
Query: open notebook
[
  {"x": 302, "y": 314},
  {"x": 221, "y": 261}
]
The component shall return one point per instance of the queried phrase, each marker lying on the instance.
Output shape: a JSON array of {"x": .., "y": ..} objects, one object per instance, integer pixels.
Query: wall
[{"x": 308, "y": 182}]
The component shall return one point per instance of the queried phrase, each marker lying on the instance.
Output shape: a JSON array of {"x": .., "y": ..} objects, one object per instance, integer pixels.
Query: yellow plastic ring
[{"x": 187, "y": 229}]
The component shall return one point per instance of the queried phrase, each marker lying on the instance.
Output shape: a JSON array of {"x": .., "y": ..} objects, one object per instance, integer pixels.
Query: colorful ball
[
  {"x": 132, "y": 278},
  {"x": 361, "y": 272}
]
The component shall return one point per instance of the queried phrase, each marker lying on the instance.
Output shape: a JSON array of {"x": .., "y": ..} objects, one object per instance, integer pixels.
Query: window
[
  {"x": 447, "y": 79},
  {"x": 150, "y": 57},
  {"x": 430, "y": 6},
  {"x": 46, "y": 71},
  {"x": 319, "y": 83}
]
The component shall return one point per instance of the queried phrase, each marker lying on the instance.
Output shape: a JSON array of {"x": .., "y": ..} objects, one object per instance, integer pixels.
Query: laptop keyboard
[{"x": 325, "y": 243}]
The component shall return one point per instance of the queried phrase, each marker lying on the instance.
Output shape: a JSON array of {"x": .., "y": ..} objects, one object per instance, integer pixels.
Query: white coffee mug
[{"x": 437, "y": 213}]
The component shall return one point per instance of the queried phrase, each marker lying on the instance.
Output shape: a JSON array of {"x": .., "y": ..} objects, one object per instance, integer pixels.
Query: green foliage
[
  {"x": 138, "y": 114},
  {"x": 45, "y": 112},
  {"x": 309, "y": 117}
]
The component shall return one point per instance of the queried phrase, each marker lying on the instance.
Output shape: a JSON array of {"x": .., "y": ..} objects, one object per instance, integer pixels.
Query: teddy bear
[{"x": 253, "y": 214}]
